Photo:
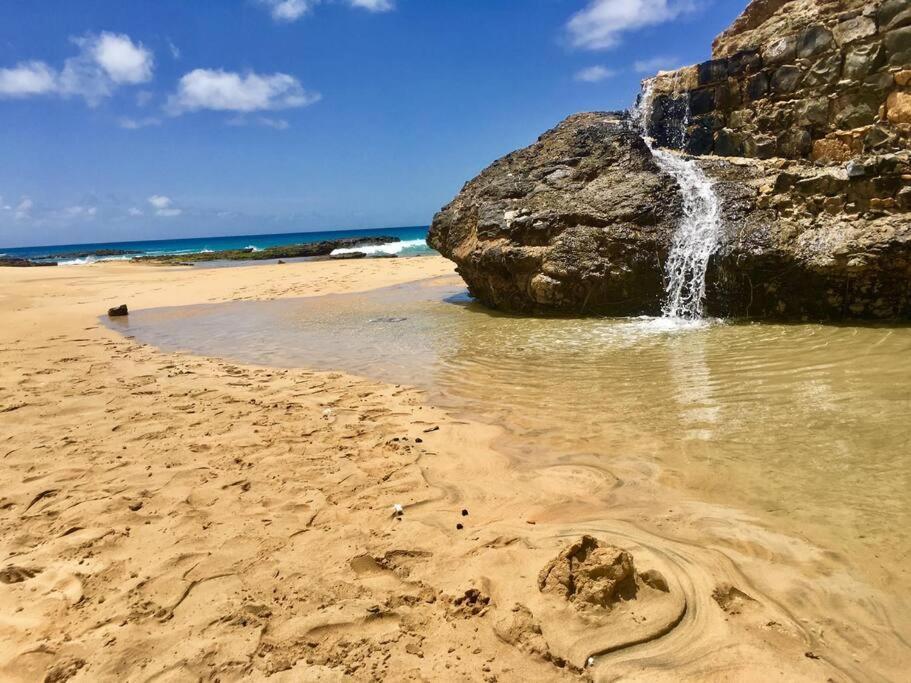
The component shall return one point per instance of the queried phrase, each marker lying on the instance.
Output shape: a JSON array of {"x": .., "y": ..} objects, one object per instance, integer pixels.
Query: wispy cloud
[
  {"x": 602, "y": 23},
  {"x": 286, "y": 11},
  {"x": 594, "y": 74},
  {"x": 135, "y": 124},
  {"x": 24, "y": 209},
  {"x": 174, "y": 50},
  {"x": 659, "y": 63},
  {"x": 374, "y": 5},
  {"x": 231, "y": 91},
  {"x": 105, "y": 61},
  {"x": 164, "y": 206}
]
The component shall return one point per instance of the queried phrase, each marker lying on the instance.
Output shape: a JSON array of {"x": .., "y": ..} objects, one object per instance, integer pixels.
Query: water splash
[{"x": 697, "y": 235}]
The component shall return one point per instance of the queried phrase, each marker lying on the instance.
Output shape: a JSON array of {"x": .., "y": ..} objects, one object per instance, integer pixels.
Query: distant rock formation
[
  {"x": 306, "y": 250},
  {"x": 803, "y": 122},
  {"x": 13, "y": 262}
]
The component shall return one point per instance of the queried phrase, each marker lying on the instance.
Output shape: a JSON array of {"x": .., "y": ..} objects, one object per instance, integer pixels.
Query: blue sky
[{"x": 131, "y": 119}]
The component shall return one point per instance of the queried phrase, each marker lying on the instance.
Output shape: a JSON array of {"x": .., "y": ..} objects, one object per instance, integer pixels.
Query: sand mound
[{"x": 589, "y": 573}]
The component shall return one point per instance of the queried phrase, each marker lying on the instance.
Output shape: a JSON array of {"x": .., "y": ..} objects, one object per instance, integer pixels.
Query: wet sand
[{"x": 173, "y": 517}]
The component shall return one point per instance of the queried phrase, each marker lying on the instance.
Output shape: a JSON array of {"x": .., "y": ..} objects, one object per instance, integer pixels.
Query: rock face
[
  {"x": 803, "y": 122},
  {"x": 820, "y": 79},
  {"x": 580, "y": 221}
]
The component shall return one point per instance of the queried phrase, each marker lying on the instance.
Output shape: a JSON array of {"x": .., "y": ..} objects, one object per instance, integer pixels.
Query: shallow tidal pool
[{"x": 807, "y": 425}]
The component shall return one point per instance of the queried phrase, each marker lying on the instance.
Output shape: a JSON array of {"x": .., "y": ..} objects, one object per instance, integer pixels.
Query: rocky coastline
[{"x": 309, "y": 250}]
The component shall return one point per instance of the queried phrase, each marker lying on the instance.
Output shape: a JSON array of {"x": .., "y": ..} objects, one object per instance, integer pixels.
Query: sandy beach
[{"x": 167, "y": 517}]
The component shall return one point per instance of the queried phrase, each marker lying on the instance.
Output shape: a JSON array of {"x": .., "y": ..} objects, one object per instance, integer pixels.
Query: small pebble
[
  {"x": 464, "y": 513},
  {"x": 459, "y": 526}
]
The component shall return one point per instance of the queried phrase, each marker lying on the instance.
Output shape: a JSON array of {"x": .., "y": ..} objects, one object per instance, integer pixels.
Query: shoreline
[{"x": 263, "y": 517}]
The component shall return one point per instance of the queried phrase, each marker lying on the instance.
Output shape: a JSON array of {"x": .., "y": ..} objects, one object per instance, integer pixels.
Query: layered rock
[
  {"x": 803, "y": 122},
  {"x": 819, "y": 79}
]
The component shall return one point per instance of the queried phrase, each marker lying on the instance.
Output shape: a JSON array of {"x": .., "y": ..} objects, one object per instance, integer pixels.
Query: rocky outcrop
[
  {"x": 580, "y": 221},
  {"x": 802, "y": 120}
]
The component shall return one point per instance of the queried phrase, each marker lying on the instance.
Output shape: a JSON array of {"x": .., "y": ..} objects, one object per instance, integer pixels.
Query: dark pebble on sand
[
  {"x": 464, "y": 513},
  {"x": 459, "y": 526},
  {"x": 419, "y": 440}
]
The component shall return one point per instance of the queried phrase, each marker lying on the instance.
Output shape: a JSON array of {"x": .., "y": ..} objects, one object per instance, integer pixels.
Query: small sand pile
[{"x": 590, "y": 573}]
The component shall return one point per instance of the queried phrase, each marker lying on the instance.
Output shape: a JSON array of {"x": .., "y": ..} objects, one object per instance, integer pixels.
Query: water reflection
[{"x": 806, "y": 422}]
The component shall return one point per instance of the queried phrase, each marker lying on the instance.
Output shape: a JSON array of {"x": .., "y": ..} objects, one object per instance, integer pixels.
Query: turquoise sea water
[{"x": 413, "y": 243}]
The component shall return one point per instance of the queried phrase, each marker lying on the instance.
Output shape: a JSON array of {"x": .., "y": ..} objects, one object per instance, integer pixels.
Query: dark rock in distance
[
  {"x": 308, "y": 250},
  {"x": 118, "y": 311},
  {"x": 13, "y": 262},
  {"x": 348, "y": 256}
]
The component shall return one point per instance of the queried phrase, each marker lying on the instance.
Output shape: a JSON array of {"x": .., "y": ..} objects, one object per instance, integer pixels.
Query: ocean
[{"x": 413, "y": 243}]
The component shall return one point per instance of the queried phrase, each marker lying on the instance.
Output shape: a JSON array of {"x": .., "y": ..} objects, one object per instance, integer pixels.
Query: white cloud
[
  {"x": 654, "y": 64},
  {"x": 123, "y": 60},
  {"x": 292, "y": 10},
  {"x": 163, "y": 206},
  {"x": 133, "y": 211},
  {"x": 105, "y": 61},
  {"x": 230, "y": 91},
  {"x": 601, "y": 24},
  {"x": 27, "y": 79},
  {"x": 268, "y": 121},
  {"x": 81, "y": 211},
  {"x": 374, "y": 5},
  {"x": 593, "y": 74},
  {"x": 288, "y": 10},
  {"x": 136, "y": 124}
]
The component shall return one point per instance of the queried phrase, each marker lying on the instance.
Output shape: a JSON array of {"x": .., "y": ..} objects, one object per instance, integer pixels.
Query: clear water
[
  {"x": 806, "y": 426},
  {"x": 413, "y": 243},
  {"x": 700, "y": 228}
]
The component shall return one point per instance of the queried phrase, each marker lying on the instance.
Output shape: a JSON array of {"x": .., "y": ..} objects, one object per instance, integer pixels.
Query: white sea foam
[
  {"x": 388, "y": 248},
  {"x": 88, "y": 260},
  {"x": 252, "y": 248}
]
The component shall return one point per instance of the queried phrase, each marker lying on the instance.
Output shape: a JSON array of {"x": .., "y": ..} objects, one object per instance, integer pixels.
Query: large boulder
[
  {"x": 581, "y": 221},
  {"x": 802, "y": 119}
]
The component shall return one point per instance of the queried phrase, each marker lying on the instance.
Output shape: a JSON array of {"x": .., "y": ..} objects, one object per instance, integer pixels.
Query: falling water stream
[{"x": 697, "y": 235}]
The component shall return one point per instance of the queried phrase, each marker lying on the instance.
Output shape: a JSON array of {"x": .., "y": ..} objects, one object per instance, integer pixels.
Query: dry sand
[{"x": 174, "y": 518}]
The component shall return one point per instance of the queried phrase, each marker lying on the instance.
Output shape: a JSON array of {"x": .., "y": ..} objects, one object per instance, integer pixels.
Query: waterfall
[{"x": 700, "y": 228}]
